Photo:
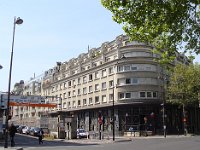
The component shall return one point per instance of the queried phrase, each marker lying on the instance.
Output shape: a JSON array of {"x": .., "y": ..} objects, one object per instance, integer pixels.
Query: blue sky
[{"x": 53, "y": 30}]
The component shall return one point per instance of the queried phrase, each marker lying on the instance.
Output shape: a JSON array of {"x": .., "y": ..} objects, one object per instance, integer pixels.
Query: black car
[
  {"x": 19, "y": 129},
  {"x": 34, "y": 131}
]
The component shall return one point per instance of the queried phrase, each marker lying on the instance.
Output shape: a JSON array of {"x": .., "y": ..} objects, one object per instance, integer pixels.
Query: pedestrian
[
  {"x": 40, "y": 136},
  {"x": 12, "y": 130}
]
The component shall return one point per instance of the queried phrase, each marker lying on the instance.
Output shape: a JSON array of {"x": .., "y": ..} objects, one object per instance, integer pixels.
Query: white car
[
  {"x": 81, "y": 133},
  {"x": 25, "y": 130}
]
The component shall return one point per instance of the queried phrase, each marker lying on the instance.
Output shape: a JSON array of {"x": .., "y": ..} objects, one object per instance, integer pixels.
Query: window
[
  {"x": 133, "y": 68},
  {"x": 103, "y": 85},
  {"x": 74, "y": 82},
  {"x": 94, "y": 64},
  {"x": 84, "y": 79},
  {"x": 149, "y": 94},
  {"x": 69, "y": 104},
  {"x": 142, "y": 94},
  {"x": 84, "y": 102},
  {"x": 90, "y": 100},
  {"x": 111, "y": 70},
  {"x": 69, "y": 94},
  {"x": 90, "y": 89},
  {"x": 121, "y": 95},
  {"x": 128, "y": 95},
  {"x": 104, "y": 98},
  {"x": 96, "y": 99},
  {"x": 61, "y": 86},
  {"x": 96, "y": 75},
  {"x": 135, "y": 80},
  {"x": 127, "y": 68},
  {"x": 64, "y": 95},
  {"x": 69, "y": 84},
  {"x": 155, "y": 94},
  {"x": 90, "y": 77},
  {"x": 74, "y": 104},
  {"x": 104, "y": 73},
  {"x": 96, "y": 87},
  {"x": 79, "y": 91},
  {"x": 65, "y": 85},
  {"x": 74, "y": 93},
  {"x": 79, "y": 102},
  {"x": 120, "y": 68},
  {"x": 84, "y": 90},
  {"x": 64, "y": 105},
  {"x": 111, "y": 83},
  {"x": 79, "y": 81},
  {"x": 111, "y": 97},
  {"x": 128, "y": 81}
]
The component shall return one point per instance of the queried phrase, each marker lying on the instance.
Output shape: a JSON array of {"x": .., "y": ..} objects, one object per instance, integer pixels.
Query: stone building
[{"x": 120, "y": 76}]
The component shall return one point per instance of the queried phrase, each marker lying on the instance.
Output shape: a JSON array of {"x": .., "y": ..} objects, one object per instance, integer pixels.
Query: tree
[
  {"x": 171, "y": 24},
  {"x": 184, "y": 84},
  {"x": 184, "y": 88}
]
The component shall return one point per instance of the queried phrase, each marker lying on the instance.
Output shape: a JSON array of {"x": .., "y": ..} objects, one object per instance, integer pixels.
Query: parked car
[
  {"x": 34, "y": 131},
  {"x": 19, "y": 129},
  {"x": 25, "y": 130},
  {"x": 29, "y": 130},
  {"x": 81, "y": 133}
]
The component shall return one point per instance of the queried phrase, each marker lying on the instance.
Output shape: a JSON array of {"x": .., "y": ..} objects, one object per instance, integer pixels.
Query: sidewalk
[
  {"x": 9, "y": 148},
  {"x": 118, "y": 139}
]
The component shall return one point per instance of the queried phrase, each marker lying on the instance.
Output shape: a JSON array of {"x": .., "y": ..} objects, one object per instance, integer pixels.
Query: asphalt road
[{"x": 169, "y": 143}]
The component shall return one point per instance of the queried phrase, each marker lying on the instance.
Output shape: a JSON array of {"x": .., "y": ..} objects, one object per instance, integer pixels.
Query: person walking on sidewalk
[
  {"x": 12, "y": 130},
  {"x": 40, "y": 136}
]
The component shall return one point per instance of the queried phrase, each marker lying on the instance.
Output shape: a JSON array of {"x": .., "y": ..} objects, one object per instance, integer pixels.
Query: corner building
[{"x": 121, "y": 76}]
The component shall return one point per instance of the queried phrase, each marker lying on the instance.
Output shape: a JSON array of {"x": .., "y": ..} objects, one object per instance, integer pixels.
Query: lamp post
[
  {"x": 113, "y": 103},
  {"x": 16, "y": 21}
]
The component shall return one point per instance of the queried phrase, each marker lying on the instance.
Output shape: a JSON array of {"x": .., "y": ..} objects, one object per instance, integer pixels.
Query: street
[{"x": 159, "y": 143}]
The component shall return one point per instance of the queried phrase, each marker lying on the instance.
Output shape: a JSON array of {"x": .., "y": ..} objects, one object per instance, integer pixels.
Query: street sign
[{"x": 20, "y": 100}]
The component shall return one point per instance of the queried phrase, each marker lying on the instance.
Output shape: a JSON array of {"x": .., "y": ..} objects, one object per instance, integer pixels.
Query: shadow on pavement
[{"x": 29, "y": 141}]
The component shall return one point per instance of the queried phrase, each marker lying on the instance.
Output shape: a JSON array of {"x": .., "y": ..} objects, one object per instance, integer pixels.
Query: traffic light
[
  {"x": 2, "y": 103},
  {"x": 100, "y": 117}
]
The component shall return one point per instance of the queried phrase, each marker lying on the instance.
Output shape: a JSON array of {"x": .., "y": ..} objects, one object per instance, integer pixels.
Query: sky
[{"x": 52, "y": 31}]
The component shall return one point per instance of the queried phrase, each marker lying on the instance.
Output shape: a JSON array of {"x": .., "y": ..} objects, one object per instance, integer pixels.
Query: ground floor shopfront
[{"x": 138, "y": 118}]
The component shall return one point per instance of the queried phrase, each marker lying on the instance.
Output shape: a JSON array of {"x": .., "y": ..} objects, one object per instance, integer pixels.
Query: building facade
[{"x": 118, "y": 82}]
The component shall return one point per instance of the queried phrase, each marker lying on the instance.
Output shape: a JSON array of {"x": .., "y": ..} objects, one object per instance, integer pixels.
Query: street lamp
[
  {"x": 16, "y": 21},
  {"x": 113, "y": 103}
]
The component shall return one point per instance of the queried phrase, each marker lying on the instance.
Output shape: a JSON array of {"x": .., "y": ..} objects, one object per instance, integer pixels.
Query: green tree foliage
[
  {"x": 184, "y": 84},
  {"x": 171, "y": 24}
]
